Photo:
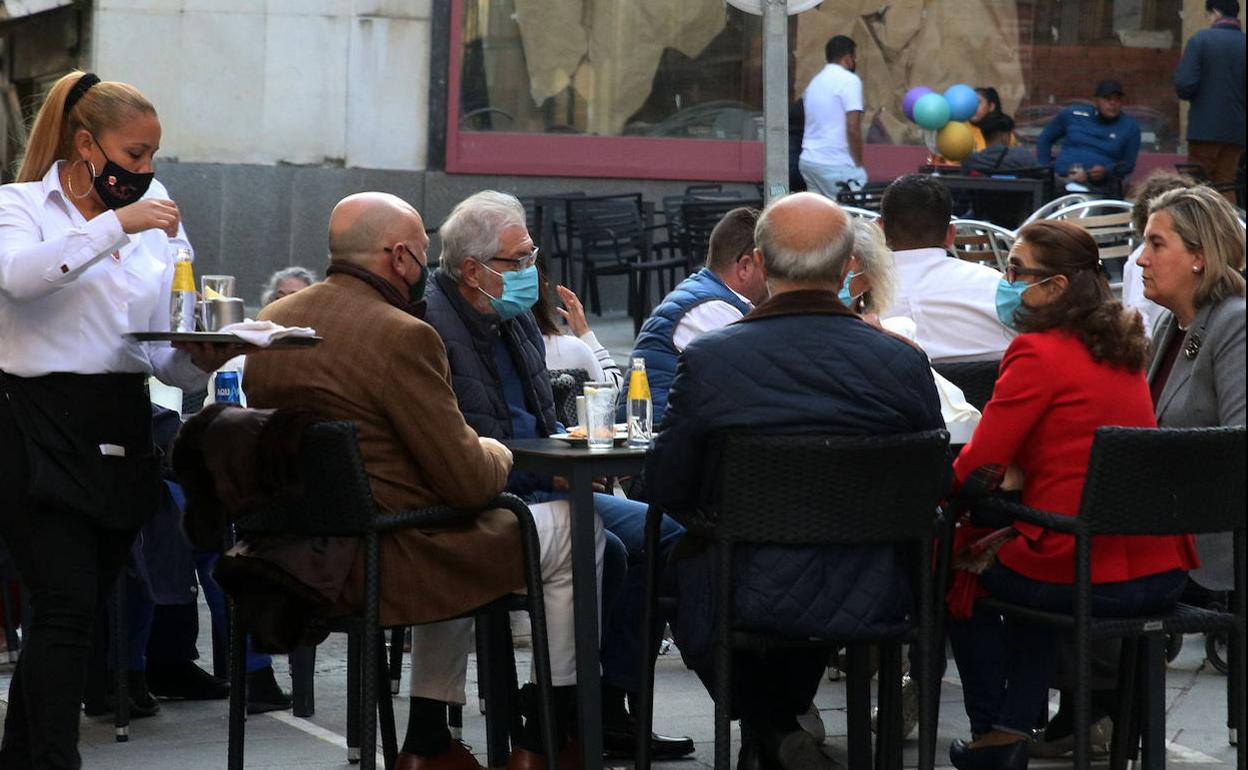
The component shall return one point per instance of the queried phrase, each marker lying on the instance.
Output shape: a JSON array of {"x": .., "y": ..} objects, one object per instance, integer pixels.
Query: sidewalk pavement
[{"x": 192, "y": 735}]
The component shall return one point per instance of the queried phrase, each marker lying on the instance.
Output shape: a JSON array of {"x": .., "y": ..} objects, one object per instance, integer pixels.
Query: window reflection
[{"x": 692, "y": 68}]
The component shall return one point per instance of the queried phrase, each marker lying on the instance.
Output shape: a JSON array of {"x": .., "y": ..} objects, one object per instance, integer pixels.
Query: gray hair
[
  {"x": 877, "y": 263},
  {"x": 473, "y": 228},
  {"x": 822, "y": 264},
  {"x": 270, "y": 286}
]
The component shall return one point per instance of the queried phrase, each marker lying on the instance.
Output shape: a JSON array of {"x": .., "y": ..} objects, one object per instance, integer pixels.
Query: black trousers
[{"x": 68, "y": 564}]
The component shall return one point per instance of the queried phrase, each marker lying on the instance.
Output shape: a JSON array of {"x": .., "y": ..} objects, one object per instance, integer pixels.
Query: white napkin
[{"x": 265, "y": 333}]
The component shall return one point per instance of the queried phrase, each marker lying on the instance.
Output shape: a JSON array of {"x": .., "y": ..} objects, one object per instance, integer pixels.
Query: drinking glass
[
  {"x": 217, "y": 286},
  {"x": 600, "y": 415}
]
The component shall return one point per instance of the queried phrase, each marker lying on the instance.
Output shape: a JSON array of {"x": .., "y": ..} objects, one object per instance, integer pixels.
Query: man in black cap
[{"x": 1099, "y": 142}]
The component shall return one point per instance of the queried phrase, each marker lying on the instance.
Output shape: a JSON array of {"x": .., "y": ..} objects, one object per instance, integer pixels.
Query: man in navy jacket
[
  {"x": 1211, "y": 77},
  {"x": 799, "y": 362},
  {"x": 1100, "y": 141}
]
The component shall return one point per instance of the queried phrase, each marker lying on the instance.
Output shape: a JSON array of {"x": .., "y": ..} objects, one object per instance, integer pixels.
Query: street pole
[{"x": 775, "y": 98}]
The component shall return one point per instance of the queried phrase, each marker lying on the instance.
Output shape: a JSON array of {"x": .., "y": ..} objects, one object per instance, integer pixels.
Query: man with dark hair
[
  {"x": 730, "y": 285},
  {"x": 1211, "y": 77},
  {"x": 998, "y": 156},
  {"x": 1099, "y": 142},
  {"x": 952, "y": 302},
  {"x": 831, "y": 158}
]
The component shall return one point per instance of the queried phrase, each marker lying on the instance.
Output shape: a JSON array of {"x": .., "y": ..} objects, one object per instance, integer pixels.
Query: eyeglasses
[
  {"x": 1012, "y": 272},
  {"x": 518, "y": 263}
]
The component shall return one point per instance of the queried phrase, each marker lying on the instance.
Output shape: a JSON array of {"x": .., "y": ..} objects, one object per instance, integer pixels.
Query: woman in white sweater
[{"x": 578, "y": 350}]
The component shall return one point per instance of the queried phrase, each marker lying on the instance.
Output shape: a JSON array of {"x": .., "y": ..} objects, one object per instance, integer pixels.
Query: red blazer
[{"x": 1049, "y": 399}]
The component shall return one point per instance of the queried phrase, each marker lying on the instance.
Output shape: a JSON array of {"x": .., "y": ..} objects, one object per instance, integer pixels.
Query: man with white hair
[
  {"x": 479, "y": 300},
  {"x": 816, "y": 366}
]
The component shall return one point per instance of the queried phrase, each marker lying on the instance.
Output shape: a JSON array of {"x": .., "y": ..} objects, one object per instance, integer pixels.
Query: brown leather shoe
[
  {"x": 569, "y": 758},
  {"x": 455, "y": 758}
]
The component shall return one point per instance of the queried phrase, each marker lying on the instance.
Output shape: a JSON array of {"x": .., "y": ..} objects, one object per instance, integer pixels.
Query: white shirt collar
[
  {"x": 912, "y": 255},
  {"x": 52, "y": 182}
]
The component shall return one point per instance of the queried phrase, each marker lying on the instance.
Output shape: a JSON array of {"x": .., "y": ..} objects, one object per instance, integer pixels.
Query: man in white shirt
[
  {"x": 952, "y": 302},
  {"x": 722, "y": 292},
  {"x": 831, "y": 159}
]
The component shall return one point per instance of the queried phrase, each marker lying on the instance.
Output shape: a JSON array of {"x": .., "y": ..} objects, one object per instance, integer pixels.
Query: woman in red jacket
[{"x": 1077, "y": 365}]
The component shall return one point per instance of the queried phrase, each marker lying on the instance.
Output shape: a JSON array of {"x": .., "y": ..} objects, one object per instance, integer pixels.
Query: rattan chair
[
  {"x": 777, "y": 489},
  {"x": 975, "y": 378},
  {"x": 1147, "y": 481},
  {"x": 337, "y": 501}
]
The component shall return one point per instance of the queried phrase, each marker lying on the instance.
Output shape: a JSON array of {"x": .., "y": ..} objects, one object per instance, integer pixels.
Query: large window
[{"x": 673, "y": 88}]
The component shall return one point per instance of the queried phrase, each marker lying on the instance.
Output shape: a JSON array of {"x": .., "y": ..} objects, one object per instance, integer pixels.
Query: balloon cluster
[{"x": 945, "y": 116}]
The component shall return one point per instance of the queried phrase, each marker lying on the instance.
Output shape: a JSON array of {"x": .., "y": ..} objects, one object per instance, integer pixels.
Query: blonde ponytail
[{"x": 104, "y": 106}]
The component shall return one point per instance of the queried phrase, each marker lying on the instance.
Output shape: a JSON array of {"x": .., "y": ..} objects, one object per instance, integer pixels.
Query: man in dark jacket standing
[
  {"x": 1211, "y": 77},
  {"x": 800, "y": 361}
]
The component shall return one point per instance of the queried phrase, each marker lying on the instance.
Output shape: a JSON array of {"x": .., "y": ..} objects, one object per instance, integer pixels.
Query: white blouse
[{"x": 69, "y": 289}]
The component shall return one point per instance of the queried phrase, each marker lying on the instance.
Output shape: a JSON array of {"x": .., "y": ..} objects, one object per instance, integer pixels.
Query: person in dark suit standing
[
  {"x": 1211, "y": 77},
  {"x": 799, "y": 362}
]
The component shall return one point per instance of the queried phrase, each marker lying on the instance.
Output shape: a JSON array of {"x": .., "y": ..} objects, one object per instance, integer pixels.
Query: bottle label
[
  {"x": 183, "y": 277},
  {"x": 638, "y": 385}
]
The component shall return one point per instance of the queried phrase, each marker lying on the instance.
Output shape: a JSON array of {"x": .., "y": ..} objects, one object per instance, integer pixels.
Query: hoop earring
[{"x": 69, "y": 181}]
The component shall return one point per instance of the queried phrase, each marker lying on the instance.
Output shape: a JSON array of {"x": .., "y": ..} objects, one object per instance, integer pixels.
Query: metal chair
[
  {"x": 1110, "y": 223},
  {"x": 854, "y": 211},
  {"x": 1057, "y": 204},
  {"x": 982, "y": 242},
  {"x": 869, "y": 197},
  {"x": 337, "y": 501},
  {"x": 975, "y": 378},
  {"x": 775, "y": 489},
  {"x": 1147, "y": 481},
  {"x": 700, "y": 217},
  {"x": 609, "y": 237}
]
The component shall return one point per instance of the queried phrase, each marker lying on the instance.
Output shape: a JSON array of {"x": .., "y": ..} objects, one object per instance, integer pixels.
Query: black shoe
[
  {"x": 263, "y": 694},
  {"x": 620, "y": 741},
  {"x": 186, "y": 681},
  {"x": 1012, "y": 756},
  {"x": 142, "y": 704}
]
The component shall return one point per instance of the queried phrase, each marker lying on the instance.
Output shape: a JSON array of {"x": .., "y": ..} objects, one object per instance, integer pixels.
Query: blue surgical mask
[
  {"x": 843, "y": 295},
  {"x": 519, "y": 292},
  {"x": 1010, "y": 299}
]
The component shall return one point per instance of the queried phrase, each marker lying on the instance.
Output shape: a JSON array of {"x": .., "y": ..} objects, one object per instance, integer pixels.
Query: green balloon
[{"x": 932, "y": 111}]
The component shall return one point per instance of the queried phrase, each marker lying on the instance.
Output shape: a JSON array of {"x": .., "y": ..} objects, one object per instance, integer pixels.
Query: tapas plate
[{"x": 576, "y": 438}]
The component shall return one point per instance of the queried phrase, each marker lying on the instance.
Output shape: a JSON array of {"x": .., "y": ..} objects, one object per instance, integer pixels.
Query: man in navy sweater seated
[{"x": 1099, "y": 143}]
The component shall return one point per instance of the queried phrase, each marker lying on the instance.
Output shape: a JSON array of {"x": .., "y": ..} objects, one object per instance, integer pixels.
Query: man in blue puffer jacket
[
  {"x": 1099, "y": 142},
  {"x": 726, "y": 289},
  {"x": 799, "y": 362}
]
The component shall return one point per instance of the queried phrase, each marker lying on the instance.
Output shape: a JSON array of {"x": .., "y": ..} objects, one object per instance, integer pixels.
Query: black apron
[{"x": 88, "y": 445}]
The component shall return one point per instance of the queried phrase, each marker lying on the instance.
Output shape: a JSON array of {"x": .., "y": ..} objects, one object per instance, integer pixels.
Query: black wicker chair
[
  {"x": 700, "y": 215},
  {"x": 610, "y": 237},
  {"x": 777, "y": 489},
  {"x": 566, "y": 385},
  {"x": 1147, "y": 481},
  {"x": 975, "y": 378},
  {"x": 337, "y": 500}
]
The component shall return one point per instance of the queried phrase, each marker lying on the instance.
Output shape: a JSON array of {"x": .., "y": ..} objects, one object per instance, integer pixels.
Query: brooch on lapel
[{"x": 1191, "y": 347}]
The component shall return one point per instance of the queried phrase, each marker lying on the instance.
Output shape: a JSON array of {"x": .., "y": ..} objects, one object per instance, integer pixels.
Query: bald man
[
  {"x": 798, "y": 362},
  {"x": 383, "y": 368}
]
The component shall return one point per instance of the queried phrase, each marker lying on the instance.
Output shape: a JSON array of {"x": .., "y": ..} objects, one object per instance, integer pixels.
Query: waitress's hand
[
  {"x": 575, "y": 314},
  {"x": 150, "y": 214},
  {"x": 211, "y": 357}
]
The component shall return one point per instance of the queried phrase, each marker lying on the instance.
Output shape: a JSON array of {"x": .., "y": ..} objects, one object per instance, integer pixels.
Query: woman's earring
[
  {"x": 70, "y": 179},
  {"x": 1197, "y": 268}
]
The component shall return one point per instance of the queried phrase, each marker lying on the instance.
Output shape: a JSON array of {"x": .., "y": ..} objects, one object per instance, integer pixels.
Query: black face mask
[
  {"x": 119, "y": 186},
  {"x": 416, "y": 292}
]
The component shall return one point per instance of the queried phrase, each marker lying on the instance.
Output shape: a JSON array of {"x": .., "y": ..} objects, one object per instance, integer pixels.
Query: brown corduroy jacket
[{"x": 386, "y": 371}]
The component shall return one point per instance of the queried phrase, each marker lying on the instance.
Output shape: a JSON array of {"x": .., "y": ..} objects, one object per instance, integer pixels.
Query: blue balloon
[
  {"x": 931, "y": 111},
  {"x": 963, "y": 101}
]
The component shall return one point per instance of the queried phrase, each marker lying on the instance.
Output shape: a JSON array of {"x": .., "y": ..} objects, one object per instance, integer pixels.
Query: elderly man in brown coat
[{"x": 385, "y": 369}]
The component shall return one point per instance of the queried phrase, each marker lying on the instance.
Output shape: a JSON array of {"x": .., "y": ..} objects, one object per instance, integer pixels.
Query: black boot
[
  {"x": 619, "y": 730},
  {"x": 263, "y": 694}
]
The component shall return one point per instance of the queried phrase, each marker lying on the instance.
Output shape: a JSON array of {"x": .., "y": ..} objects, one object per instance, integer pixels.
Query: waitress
[{"x": 86, "y": 237}]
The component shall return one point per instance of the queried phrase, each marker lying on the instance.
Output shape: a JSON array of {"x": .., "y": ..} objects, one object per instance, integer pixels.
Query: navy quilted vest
[
  {"x": 469, "y": 339},
  {"x": 654, "y": 342}
]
